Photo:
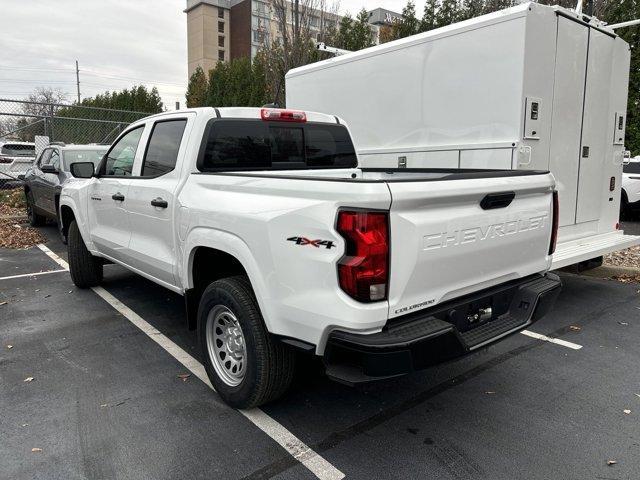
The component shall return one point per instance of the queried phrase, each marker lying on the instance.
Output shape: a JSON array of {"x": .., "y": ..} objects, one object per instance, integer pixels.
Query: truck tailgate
[{"x": 453, "y": 237}]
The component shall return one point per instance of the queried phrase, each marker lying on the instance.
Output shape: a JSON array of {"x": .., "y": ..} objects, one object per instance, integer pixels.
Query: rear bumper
[{"x": 442, "y": 333}]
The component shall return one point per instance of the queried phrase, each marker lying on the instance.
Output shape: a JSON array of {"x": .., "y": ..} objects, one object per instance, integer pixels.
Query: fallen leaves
[
  {"x": 9, "y": 347},
  {"x": 36, "y": 450},
  {"x": 14, "y": 236},
  {"x": 184, "y": 376},
  {"x": 629, "y": 257},
  {"x": 28, "y": 379},
  {"x": 3, "y": 303},
  {"x": 575, "y": 328},
  {"x": 611, "y": 462},
  {"x": 626, "y": 411}
]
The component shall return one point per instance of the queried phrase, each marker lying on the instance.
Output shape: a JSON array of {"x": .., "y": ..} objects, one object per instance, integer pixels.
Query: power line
[{"x": 96, "y": 74}]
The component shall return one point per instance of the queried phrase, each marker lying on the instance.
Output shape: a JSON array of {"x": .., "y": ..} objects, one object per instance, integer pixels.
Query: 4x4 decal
[{"x": 328, "y": 244}]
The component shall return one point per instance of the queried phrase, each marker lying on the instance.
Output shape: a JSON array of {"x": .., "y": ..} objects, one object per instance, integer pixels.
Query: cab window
[
  {"x": 44, "y": 157},
  {"x": 120, "y": 158},
  {"x": 55, "y": 159},
  {"x": 163, "y": 147}
]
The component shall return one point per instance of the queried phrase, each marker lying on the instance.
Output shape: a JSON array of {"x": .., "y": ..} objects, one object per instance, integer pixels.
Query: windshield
[
  {"x": 17, "y": 150},
  {"x": 258, "y": 145},
  {"x": 74, "y": 156}
]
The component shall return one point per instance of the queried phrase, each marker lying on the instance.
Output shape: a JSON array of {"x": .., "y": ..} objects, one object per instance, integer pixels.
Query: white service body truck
[
  {"x": 529, "y": 87},
  {"x": 264, "y": 222}
]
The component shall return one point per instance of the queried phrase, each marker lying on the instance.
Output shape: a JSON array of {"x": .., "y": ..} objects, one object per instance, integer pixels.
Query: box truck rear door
[{"x": 595, "y": 132}]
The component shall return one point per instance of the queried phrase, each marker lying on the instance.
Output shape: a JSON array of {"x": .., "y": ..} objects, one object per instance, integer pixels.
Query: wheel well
[
  {"x": 66, "y": 217},
  {"x": 208, "y": 265}
]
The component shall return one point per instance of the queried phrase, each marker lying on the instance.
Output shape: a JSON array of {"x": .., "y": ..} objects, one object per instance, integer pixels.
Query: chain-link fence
[{"x": 22, "y": 121}]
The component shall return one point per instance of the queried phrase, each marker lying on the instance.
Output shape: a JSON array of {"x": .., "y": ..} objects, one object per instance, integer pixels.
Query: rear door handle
[
  {"x": 118, "y": 197},
  {"x": 158, "y": 202}
]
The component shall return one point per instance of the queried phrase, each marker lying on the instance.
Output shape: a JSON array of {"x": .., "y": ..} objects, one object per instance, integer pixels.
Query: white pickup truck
[{"x": 262, "y": 219}]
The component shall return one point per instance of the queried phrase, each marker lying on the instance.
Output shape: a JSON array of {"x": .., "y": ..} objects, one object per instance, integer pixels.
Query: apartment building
[{"x": 221, "y": 30}]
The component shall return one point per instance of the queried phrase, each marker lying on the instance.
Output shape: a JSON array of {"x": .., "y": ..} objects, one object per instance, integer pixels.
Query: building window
[
  {"x": 258, "y": 36},
  {"x": 221, "y": 27},
  {"x": 221, "y": 55},
  {"x": 220, "y": 40},
  {"x": 220, "y": 13}
]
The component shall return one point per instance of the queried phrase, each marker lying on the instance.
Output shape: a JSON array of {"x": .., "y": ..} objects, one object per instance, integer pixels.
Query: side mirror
[
  {"x": 626, "y": 157},
  {"x": 49, "y": 169},
  {"x": 82, "y": 169}
]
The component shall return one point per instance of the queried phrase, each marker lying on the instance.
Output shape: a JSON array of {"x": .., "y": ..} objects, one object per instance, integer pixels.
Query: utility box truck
[{"x": 531, "y": 87}]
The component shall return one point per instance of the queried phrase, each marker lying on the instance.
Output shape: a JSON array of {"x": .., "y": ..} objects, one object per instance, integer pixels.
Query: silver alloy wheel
[{"x": 226, "y": 345}]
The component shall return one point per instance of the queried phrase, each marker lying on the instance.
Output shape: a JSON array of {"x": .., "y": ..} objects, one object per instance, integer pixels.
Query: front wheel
[
  {"x": 85, "y": 269},
  {"x": 246, "y": 366},
  {"x": 35, "y": 219}
]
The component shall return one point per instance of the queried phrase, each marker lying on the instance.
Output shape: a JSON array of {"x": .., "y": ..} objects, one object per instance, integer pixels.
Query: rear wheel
[
  {"x": 35, "y": 219},
  {"x": 246, "y": 366},
  {"x": 85, "y": 269}
]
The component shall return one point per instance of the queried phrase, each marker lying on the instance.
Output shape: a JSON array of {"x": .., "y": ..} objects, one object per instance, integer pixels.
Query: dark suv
[{"x": 43, "y": 181}]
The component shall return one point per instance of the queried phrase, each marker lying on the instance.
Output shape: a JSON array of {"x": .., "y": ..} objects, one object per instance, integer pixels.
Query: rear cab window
[
  {"x": 18, "y": 150},
  {"x": 237, "y": 145},
  {"x": 163, "y": 147}
]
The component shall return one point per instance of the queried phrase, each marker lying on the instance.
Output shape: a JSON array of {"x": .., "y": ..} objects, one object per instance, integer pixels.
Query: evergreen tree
[
  {"x": 197, "y": 89},
  {"x": 429, "y": 17},
  {"x": 448, "y": 13},
  {"x": 410, "y": 25},
  {"x": 495, "y": 5},
  {"x": 472, "y": 9},
  {"x": 354, "y": 34}
]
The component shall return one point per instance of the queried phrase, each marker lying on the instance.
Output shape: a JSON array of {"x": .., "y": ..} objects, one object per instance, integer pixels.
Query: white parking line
[
  {"x": 320, "y": 467},
  {"x": 31, "y": 274},
  {"x": 557, "y": 341}
]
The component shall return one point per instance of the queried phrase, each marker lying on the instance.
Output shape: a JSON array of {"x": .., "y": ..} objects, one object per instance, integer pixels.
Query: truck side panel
[{"x": 301, "y": 297}]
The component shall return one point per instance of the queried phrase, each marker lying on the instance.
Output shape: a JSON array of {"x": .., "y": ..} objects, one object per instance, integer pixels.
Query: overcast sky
[{"x": 117, "y": 43}]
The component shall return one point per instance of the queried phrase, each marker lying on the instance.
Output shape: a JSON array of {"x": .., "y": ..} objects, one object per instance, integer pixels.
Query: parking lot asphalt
[{"x": 107, "y": 402}]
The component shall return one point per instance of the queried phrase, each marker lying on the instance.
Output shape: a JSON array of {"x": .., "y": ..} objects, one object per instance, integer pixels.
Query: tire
[
  {"x": 35, "y": 219},
  {"x": 624, "y": 206},
  {"x": 63, "y": 237},
  {"x": 85, "y": 269},
  {"x": 266, "y": 365}
]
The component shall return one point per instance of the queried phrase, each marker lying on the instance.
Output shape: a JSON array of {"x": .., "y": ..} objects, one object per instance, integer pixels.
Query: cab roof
[{"x": 249, "y": 113}]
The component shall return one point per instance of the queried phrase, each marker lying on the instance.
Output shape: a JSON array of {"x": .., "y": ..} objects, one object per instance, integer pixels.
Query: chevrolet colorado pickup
[{"x": 263, "y": 221}]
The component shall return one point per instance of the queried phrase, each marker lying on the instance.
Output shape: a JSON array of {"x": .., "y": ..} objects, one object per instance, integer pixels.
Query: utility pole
[
  {"x": 296, "y": 19},
  {"x": 78, "y": 81}
]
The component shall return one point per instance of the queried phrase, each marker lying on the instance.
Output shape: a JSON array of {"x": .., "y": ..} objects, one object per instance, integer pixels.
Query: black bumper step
[{"x": 440, "y": 333}]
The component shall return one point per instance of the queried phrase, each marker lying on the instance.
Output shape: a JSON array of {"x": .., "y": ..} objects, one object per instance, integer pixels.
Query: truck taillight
[
  {"x": 276, "y": 114},
  {"x": 554, "y": 225},
  {"x": 363, "y": 271}
]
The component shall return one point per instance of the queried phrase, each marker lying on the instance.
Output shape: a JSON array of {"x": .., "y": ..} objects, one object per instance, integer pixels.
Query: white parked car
[
  {"x": 630, "y": 187},
  {"x": 15, "y": 160},
  {"x": 263, "y": 220}
]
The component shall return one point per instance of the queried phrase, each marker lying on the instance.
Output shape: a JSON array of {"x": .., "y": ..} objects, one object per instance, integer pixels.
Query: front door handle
[
  {"x": 158, "y": 202},
  {"x": 118, "y": 197}
]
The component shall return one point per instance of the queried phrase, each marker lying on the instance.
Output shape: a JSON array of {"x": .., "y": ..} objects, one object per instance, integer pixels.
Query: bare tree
[
  {"x": 299, "y": 23},
  {"x": 41, "y": 99}
]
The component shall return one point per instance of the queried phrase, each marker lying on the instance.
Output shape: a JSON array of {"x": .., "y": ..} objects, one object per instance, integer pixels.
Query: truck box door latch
[{"x": 497, "y": 200}]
